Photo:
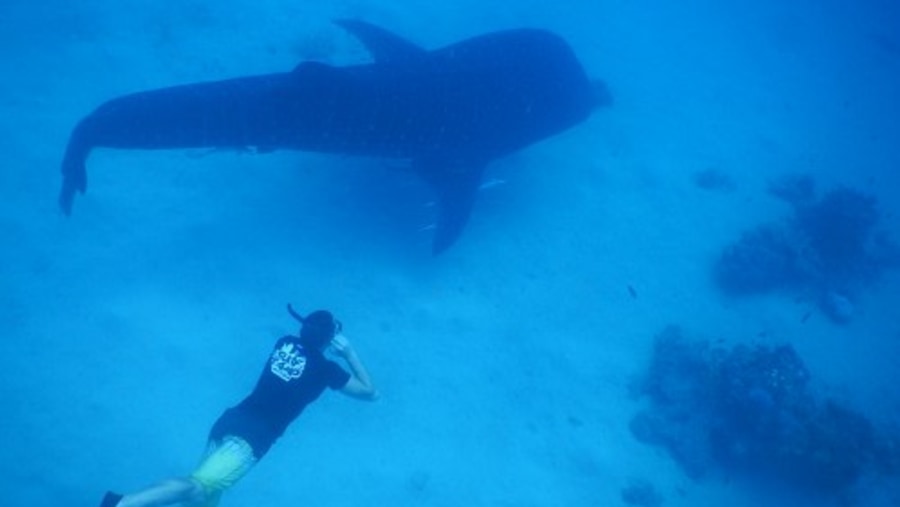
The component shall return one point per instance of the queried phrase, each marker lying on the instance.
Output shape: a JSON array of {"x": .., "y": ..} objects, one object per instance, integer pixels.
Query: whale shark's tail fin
[{"x": 456, "y": 183}]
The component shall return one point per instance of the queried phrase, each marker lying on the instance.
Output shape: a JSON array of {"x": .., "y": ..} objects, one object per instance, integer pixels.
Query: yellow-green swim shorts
[{"x": 224, "y": 464}]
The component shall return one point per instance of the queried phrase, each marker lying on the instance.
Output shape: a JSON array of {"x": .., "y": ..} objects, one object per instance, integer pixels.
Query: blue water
[{"x": 506, "y": 363}]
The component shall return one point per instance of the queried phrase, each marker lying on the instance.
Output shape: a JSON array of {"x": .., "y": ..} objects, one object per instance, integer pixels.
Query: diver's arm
[{"x": 360, "y": 384}]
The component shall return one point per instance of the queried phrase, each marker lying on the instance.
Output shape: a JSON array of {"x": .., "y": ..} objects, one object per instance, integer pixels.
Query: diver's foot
[{"x": 110, "y": 499}]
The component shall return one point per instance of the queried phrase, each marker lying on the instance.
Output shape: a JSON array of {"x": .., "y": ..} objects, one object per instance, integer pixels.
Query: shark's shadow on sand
[{"x": 450, "y": 111}]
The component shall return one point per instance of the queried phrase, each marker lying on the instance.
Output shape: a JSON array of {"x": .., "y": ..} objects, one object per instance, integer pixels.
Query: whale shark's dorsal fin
[{"x": 384, "y": 46}]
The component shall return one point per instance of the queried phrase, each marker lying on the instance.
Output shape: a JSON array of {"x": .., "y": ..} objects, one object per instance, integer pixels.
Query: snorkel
[{"x": 294, "y": 314}]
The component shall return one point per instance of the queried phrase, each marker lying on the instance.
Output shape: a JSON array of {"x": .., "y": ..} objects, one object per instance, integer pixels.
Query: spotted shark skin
[{"x": 449, "y": 111}]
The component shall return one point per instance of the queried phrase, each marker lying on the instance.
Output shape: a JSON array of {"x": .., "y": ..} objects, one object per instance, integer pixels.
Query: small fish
[{"x": 632, "y": 292}]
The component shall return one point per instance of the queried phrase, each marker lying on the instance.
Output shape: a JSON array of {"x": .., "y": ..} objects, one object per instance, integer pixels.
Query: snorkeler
[{"x": 296, "y": 373}]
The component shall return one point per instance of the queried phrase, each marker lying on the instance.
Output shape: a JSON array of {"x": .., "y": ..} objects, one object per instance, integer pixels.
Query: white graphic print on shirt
[{"x": 288, "y": 362}]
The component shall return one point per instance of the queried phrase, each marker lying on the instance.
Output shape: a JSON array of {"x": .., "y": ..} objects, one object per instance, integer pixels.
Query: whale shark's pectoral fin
[
  {"x": 73, "y": 167},
  {"x": 456, "y": 184},
  {"x": 384, "y": 46}
]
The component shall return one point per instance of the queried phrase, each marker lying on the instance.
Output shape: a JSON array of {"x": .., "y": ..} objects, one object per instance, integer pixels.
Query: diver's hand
[
  {"x": 341, "y": 345},
  {"x": 360, "y": 384}
]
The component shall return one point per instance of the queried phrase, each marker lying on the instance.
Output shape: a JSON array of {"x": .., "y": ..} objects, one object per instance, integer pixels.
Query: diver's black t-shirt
[{"x": 292, "y": 379}]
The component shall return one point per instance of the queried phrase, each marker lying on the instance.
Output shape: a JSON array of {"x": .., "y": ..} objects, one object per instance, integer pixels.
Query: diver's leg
[
  {"x": 224, "y": 464},
  {"x": 227, "y": 462},
  {"x": 170, "y": 491}
]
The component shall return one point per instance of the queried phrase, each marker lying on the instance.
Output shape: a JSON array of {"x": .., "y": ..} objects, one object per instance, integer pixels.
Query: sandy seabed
[{"x": 505, "y": 364}]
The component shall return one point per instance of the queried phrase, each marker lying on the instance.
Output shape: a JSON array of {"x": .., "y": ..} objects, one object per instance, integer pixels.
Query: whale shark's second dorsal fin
[{"x": 384, "y": 46}]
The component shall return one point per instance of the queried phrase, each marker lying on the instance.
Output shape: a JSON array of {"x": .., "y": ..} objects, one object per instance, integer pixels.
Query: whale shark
[{"x": 448, "y": 111}]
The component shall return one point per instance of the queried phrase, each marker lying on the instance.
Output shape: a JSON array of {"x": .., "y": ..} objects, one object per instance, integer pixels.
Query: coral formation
[
  {"x": 641, "y": 493},
  {"x": 795, "y": 189},
  {"x": 751, "y": 409},
  {"x": 830, "y": 248},
  {"x": 838, "y": 231},
  {"x": 713, "y": 179},
  {"x": 764, "y": 259}
]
